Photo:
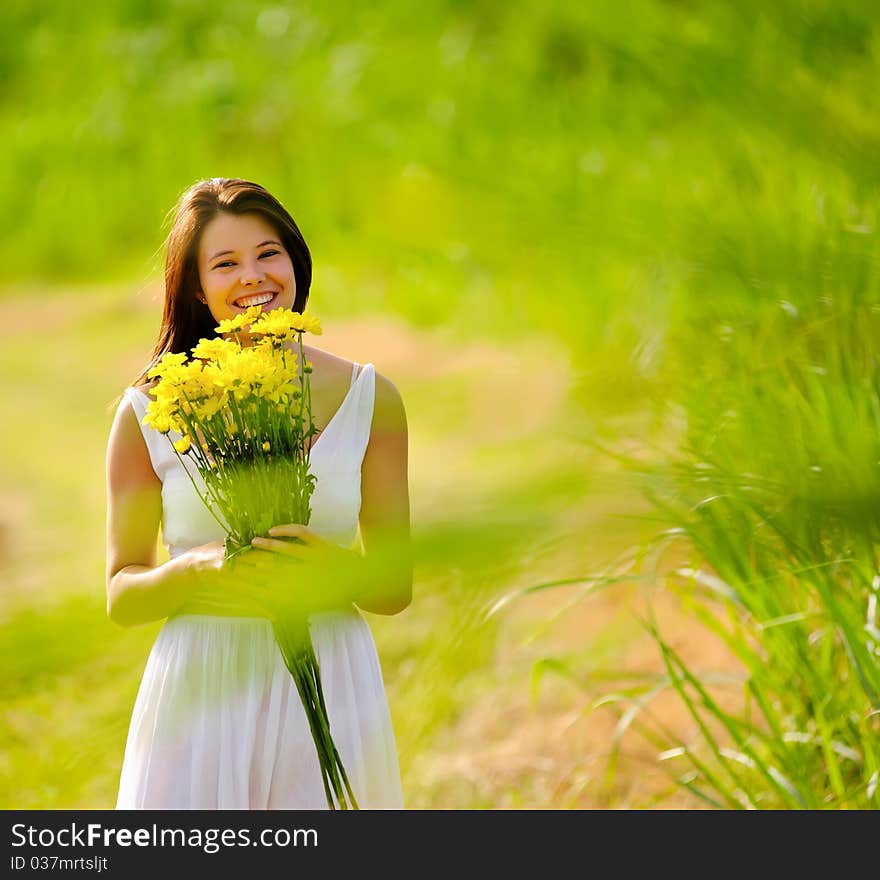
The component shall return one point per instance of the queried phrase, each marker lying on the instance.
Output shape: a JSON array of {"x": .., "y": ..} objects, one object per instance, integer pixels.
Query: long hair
[{"x": 185, "y": 318}]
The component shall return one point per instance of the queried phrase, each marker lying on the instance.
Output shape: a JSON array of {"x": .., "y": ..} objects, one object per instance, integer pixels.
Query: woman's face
[{"x": 242, "y": 263}]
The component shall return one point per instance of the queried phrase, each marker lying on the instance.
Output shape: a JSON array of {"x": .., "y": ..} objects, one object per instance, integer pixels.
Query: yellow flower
[
  {"x": 266, "y": 446},
  {"x": 214, "y": 349},
  {"x": 216, "y": 376},
  {"x": 307, "y": 323},
  {"x": 169, "y": 359},
  {"x": 243, "y": 374},
  {"x": 183, "y": 445},
  {"x": 170, "y": 368},
  {"x": 158, "y": 422},
  {"x": 162, "y": 413},
  {"x": 231, "y": 325},
  {"x": 209, "y": 407},
  {"x": 277, "y": 324},
  {"x": 283, "y": 324}
]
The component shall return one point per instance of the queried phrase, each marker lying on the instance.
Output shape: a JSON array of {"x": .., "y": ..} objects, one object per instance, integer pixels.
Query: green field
[{"x": 621, "y": 261}]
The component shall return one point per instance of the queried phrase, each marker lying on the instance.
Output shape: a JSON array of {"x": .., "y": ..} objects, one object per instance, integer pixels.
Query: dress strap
[
  {"x": 361, "y": 413},
  {"x": 346, "y": 445}
]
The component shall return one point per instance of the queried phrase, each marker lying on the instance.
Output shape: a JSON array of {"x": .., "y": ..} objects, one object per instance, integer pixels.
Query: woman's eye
[
  {"x": 224, "y": 263},
  {"x": 268, "y": 253}
]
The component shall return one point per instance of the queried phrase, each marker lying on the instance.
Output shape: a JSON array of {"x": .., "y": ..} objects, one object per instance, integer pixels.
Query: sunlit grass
[
  {"x": 777, "y": 493},
  {"x": 678, "y": 200},
  {"x": 770, "y": 498}
]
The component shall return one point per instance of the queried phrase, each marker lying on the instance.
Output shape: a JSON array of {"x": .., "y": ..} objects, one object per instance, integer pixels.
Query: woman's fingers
[
  {"x": 275, "y": 546},
  {"x": 293, "y": 530},
  {"x": 252, "y": 560}
]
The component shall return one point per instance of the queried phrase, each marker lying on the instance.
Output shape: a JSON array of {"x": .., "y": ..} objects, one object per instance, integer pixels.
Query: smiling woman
[
  {"x": 218, "y": 723},
  {"x": 242, "y": 264},
  {"x": 214, "y": 209}
]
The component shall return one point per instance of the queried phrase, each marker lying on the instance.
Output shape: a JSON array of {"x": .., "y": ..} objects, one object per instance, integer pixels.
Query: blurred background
[{"x": 621, "y": 261}]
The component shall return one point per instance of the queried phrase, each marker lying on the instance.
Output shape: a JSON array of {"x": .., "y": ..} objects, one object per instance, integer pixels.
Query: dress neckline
[{"x": 355, "y": 378}]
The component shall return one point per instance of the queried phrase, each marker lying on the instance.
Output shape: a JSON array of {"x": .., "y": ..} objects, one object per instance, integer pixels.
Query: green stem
[{"x": 299, "y": 657}]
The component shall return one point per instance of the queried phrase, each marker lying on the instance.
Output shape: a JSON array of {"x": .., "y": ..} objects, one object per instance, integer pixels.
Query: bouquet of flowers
[{"x": 245, "y": 420}]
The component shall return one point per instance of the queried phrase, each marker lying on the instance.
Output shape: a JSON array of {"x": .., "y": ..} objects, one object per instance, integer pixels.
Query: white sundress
[{"x": 218, "y": 722}]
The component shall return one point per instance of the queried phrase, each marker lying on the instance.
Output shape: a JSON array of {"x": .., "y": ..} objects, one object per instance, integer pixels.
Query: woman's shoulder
[
  {"x": 122, "y": 402},
  {"x": 389, "y": 411},
  {"x": 385, "y": 388},
  {"x": 328, "y": 361},
  {"x": 127, "y": 453},
  {"x": 333, "y": 368},
  {"x": 146, "y": 387},
  {"x": 388, "y": 405}
]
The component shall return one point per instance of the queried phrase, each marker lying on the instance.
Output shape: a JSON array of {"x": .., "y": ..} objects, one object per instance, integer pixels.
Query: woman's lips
[{"x": 268, "y": 302}]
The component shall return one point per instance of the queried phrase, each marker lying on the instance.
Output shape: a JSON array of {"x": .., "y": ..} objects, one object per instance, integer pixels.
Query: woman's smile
[
  {"x": 242, "y": 264},
  {"x": 262, "y": 298}
]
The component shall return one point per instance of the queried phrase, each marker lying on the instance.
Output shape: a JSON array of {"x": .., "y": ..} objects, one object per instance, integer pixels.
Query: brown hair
[{"x": 185, "y": 318}]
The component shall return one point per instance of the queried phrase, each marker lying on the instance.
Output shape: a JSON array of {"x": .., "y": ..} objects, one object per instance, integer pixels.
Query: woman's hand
[
  {"x": 306, "y": 546},
  {"x": 215, "y": 584},
  {"x": 208, "y": 566},
  {"x": 298, "y": 571}
]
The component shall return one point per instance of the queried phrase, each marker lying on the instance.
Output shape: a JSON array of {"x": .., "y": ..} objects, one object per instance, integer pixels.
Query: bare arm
[
  {"x": 139, "y": 591},
  {"x": 385, "y": 514}
]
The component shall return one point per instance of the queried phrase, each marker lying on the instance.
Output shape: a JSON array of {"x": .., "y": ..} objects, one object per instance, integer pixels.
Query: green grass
[
  {"x": 598, "y": 173},
  {"x": 770, "y": 499},
  {"x": 679, "y": 198}
]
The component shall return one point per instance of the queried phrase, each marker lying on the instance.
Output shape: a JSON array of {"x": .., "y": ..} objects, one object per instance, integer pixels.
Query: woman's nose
[{"x": 252, "y": 274}]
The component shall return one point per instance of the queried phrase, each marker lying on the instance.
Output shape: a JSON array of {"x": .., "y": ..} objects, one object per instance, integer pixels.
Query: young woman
[{"x": 218, "y": 722}]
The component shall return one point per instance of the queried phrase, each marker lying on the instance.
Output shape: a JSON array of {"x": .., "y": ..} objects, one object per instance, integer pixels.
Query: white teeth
[{"x": 256, "y": 299}]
